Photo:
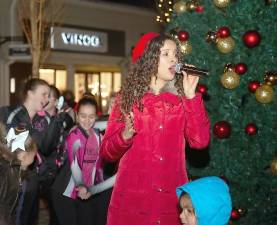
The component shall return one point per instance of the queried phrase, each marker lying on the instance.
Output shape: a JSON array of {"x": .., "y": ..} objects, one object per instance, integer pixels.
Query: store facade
[{"x": 90, "y": 51}]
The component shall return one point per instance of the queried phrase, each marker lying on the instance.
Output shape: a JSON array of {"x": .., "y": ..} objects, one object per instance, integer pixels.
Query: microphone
[{"x": 190, "y": 70}]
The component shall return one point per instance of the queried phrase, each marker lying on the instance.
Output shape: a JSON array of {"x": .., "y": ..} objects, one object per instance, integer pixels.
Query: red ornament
[
  {"x": 183, "y": 35},
  {"x": 253, "y": 85},
  {"x": 241, "y": 68},
  {"x": 224, "y": 32},
  {"x": 251, "y": 38},
  {"x": 251, "y": 129},
  {"x": 222, "y": 129},
  {"x": 201, "y": 88},
  {"x": 235, "y": 214},
  {"x": 199, "y": 9}
]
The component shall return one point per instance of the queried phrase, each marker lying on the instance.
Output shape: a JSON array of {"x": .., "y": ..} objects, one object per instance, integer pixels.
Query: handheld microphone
[{"x": 191, "y": 70}]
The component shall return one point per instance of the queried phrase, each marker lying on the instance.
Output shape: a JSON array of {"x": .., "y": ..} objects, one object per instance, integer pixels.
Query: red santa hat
[{"x": 142, "y": 44}]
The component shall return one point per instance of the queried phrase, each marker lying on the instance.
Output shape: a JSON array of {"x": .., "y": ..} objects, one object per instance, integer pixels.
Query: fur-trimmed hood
[{"x": 169, "y": 87}]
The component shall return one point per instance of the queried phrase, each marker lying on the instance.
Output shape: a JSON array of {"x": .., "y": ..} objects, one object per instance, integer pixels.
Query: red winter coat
[{"x": 153, "y": 163}]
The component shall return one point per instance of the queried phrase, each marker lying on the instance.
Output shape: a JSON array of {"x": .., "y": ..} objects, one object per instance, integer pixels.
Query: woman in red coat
[{"x": 155, "y": 114}]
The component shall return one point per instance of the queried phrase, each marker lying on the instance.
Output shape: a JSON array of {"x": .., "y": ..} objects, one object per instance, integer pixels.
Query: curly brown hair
[{"x": 137, "y": 82}]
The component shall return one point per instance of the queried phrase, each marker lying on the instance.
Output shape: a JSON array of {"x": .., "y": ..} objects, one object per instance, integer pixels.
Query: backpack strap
[
  {"x": 47, "y": 118},
  {"x": 12, "y": 115}
]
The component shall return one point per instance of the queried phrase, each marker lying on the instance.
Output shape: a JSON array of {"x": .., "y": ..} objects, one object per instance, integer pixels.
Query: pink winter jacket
[
  {"x": 77, "y": 144},
  {"x": 153, "y": 162}
]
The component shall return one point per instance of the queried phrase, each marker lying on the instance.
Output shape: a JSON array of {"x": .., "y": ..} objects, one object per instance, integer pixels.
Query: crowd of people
[{"x": 129, "y": 175}]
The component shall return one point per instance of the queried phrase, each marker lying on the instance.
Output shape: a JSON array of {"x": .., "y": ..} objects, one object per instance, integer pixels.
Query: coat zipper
[{"x": 18, "y": 190}]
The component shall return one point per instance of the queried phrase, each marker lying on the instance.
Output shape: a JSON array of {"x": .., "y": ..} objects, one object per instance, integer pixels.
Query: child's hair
[
  {"x": 89, "y": 94},
  {"x": 32, "y": 84},
  {"x": 55, "y": 91},
  {"x": 87, "y": 100},
  {"x": 69, "y": 98},
  {"x": 184, "y": 194},
  {"x": 6, "y": 153},
  {"x": 138, "y": 79}
]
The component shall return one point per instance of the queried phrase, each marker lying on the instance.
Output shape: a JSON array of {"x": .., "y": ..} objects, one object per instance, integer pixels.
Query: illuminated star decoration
[{"x": 16, "y": 141}]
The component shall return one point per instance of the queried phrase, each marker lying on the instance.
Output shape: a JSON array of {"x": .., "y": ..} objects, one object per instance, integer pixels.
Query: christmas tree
[{"x": 236, "y": 40}]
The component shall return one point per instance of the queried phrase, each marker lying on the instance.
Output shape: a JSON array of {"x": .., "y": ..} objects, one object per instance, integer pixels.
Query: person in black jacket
[
  {"x": 60, "y": 122},
  {"x": 35, "y": 98},
  {"x": 12, "y": 165}
]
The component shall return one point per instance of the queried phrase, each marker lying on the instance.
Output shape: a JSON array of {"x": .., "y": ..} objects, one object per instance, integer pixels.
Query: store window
[
  {"x": 80, "y": 85},
  {"x": 54, "y": 77},
  {"x": 103, "y": 85}
]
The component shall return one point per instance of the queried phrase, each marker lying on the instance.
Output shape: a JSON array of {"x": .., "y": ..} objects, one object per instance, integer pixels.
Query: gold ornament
[
  {"x": 180, "y": 7},
  {"x": 273, "y": 166},
  {"x": 264, "y": 94},
  {"x": 230, "y": 80},
  {"x": 225, "y": 45},
  {"x": 192, "y": 5},
  {"x": 222, "y": 3},
  {"x": 186, "y": 47},
  {"x": 270, "y": 78},
  {"x": 211, "y": 37}
]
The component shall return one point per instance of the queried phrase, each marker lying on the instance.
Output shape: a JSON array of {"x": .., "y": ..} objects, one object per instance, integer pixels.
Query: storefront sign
[
  {"x": 71, "y": 39},
  {"x": 19, "y": 51}
]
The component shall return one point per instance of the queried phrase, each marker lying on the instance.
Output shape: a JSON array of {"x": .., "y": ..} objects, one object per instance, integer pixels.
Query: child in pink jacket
[{"x": 76, "y": 205}]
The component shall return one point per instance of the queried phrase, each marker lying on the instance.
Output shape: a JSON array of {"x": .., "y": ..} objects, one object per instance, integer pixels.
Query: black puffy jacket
[
  {"x": 9, "y": 191},
  {"x": 40, "y": 130}
]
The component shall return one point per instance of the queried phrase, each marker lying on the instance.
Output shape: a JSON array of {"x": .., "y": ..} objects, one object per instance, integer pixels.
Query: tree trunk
[
  {"x": 36, "y": 17},
  {"x": 35, "y": 42}
]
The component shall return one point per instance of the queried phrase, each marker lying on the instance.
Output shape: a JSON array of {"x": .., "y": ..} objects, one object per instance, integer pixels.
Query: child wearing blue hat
[{"x": 205, "y": 201}]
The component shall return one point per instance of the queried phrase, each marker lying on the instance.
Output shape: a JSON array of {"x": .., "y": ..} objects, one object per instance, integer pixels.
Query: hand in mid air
[{"x": 129, "y": 129}]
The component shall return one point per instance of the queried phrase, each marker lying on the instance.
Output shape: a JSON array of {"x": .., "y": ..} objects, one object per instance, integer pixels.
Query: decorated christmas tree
[{"x": 236, "y": 40}]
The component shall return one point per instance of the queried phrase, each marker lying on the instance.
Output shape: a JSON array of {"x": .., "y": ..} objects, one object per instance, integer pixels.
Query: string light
[{"x": 164, "y": 8}]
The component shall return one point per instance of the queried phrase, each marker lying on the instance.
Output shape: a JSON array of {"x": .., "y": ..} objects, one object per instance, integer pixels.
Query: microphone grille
[{"x": 178, "y": 67}]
